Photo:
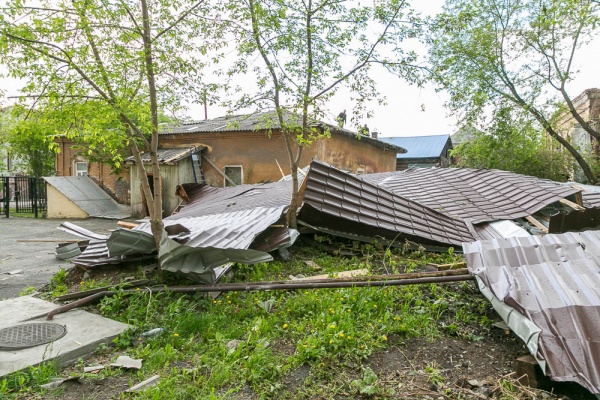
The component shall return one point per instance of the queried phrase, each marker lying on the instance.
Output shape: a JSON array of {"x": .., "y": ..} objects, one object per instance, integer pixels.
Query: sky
[{"x": 410, "y": 110}]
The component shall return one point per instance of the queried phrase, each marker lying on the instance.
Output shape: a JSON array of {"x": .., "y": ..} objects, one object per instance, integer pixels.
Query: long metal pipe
[{"x": 252, "y": 286}]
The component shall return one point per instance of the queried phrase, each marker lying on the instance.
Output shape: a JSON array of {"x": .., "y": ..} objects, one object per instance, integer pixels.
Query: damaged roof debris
[
  {"x": 436, "y": 208},
  {"x": 546, "y": 290},
  {"x": 544, "y": 287}
]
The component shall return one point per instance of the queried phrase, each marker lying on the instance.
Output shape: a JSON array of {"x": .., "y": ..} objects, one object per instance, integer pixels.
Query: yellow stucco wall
[{"x": 61, "y": 207}]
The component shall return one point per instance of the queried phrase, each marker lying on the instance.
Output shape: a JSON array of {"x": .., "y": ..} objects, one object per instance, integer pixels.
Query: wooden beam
[
  {"x": 537, "y": 223},
  {"x": 445, "y": 267},
  {"x": 212, "y": 164},
  {"x": 280, "y": 170},
  {"x": 128, "y": 225},
  {"x": 571, "y": 204},
  {"x": 50, "y": 240}
]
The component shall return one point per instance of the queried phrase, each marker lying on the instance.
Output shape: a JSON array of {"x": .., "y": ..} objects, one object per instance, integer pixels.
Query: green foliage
[
  {"x": 489, "y": 54},
  {"x": 29, "y": 138},
  {"x": 28, "y": 290},
  {"x": 367, "y": 384},
  {"x": 58, "y": 283},
  {"x": 27, "y": 381},
  {"x": 513, "y": 144},
  {"x": 105, "y": 70}
]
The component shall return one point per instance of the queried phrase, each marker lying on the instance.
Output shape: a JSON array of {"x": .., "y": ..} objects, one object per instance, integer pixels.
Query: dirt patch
[{"x": 108, "y": 388}]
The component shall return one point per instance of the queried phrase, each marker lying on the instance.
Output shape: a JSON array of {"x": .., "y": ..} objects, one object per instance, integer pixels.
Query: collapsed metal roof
[
  {"x": 345, "y": 204},
  {"x": 88, "y": 196},
  {"x": 553, "y": 281},
  {"x": 477, "y": 195},
  {"x": 243, "y": 223}
]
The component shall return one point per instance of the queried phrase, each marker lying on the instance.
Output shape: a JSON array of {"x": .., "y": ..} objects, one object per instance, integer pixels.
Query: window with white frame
[
  {"x": 81, "y": 168},
  {"x": 234, "y": 172}
]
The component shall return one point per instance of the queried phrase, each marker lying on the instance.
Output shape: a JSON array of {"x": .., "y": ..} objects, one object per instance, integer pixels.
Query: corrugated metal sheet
[
  {"x": 341, "y": 202},
  {"x": 208, "y": 200},
  {"x": 88, "y": 196},
  {"x": 420, "y": 146},
  {"x": 263, "y": 121},
  {"x": 554, "y": 281},
  {"x": 168, "y": 156},
  {"x": 477, "y": 195},
  {"x": 202, "y": 243}
]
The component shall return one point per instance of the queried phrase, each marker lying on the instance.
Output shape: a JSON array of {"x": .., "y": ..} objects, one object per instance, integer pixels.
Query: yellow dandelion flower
[
  {"x": 331, "y": 326},
  {"x": 341, "y": 334},
  {"x": 176, "y": 334},
  {"x": 285, "y": 326},
  {"x": 384, "y": 337},
  {"x": 330, "y": 341}
]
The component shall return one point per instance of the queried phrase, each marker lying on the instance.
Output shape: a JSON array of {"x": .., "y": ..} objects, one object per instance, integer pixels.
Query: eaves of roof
[
  {"x": 264, "y": 122},
  {"x": 168, "y": 156}
]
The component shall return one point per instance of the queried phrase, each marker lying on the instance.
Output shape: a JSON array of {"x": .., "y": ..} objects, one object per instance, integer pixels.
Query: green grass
[{"x": 253, "y": 340}]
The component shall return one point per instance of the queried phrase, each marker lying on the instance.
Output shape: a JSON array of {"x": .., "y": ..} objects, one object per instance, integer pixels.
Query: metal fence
[{"x": 23, "y": 195}]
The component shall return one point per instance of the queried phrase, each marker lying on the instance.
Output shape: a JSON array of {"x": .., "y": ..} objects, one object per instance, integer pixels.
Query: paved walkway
[{"x": 35, "y": 259}]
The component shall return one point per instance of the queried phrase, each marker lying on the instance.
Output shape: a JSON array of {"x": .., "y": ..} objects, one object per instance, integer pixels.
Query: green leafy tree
[
  {"x": 513, "y": 142},
  {"x": 130, "y": 57},
  {"x": 29, "y": 139},
  {"x": 488, "y": 52},
  {"x": 306, "y": 51}
]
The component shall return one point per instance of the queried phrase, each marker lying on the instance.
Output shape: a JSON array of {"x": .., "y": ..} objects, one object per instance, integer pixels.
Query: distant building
[
  {"x": 422, "y": 151},
  {"x": 587, "y": 105}
]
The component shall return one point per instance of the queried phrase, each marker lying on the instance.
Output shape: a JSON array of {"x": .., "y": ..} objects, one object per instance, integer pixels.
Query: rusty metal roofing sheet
[
  {"x": 477, "y": 195},
  {"x": 342, "y": 202},
  {"x": 554, "y": 281},
  {"x": 88, "y": 196}
]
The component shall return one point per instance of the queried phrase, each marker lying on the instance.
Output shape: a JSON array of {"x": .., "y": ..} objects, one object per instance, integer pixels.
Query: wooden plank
[
  {"x": 445, "y": 267},
  {"x": 50, "y": 240},
  {"x": 280, "y": 170},
  {"x": 212, "y": 164},
  {"x": 128, "y": 225},
  {"x": 571, "y": 204},
  {"x": 344, "y": 274},
  {"x": 537, "y": 223}
]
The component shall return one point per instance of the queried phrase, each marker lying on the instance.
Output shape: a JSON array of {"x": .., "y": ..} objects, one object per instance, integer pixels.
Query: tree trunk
[{"x": 576, "y": 155}]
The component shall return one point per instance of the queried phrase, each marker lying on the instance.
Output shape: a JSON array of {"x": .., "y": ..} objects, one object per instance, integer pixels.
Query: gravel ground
[{"x": 35, "y": 259}]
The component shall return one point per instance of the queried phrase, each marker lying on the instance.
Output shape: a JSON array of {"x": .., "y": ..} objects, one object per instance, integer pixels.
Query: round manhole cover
[{"x": 29, "y": 335}]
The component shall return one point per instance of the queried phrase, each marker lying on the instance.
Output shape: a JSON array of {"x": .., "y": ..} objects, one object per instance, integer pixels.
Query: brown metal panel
[
  {"x": 472, "y": 194},
  {"x": 554, "y": 281}
]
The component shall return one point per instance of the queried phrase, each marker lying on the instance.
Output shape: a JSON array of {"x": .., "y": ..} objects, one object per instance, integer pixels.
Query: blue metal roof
[{"x": 419, "y": 146}]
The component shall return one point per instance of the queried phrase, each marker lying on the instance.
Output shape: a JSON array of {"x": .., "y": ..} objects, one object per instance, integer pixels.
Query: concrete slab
[{"x": 85, "y": 332}]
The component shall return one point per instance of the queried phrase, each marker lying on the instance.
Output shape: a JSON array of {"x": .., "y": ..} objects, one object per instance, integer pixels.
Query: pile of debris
[
  {"x": 544, "y": 287},
  {"x": 434, "y": 208}
]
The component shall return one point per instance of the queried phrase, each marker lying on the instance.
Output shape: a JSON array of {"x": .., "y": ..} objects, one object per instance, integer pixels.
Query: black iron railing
[{"x": 23, "y": 195}]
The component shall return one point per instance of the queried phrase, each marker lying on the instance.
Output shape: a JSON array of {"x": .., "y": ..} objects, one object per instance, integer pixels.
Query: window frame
[
  {"x": 241, "y": 168},
  {"x": 76, "y": 170}
]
